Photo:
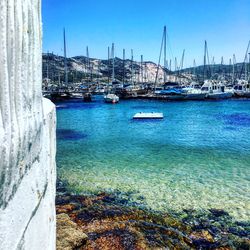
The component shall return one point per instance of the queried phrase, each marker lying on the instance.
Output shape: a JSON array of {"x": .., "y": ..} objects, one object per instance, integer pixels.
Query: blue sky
[{"x": 138, "y": 25}]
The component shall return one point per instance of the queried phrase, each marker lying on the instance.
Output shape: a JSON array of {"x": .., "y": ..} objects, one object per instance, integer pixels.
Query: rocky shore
[{"x": 105, "y": 221}]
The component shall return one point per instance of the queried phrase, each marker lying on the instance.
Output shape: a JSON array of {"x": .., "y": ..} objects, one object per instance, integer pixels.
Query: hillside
[{"x": 80, "y": 70}]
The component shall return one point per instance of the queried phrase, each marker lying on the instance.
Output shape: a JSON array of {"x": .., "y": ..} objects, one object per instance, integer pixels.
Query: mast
[
  {"x": 142, "y": 68},
  {"x": 47, "y": 68},
  {"x": 245, "y": 59},
  {"x": 182, "y": 61},
  {"x": 234, "y": 61},
  {"x": 113, "y": 62},
  {"x": 132, "y": 67},
  {"x": 175, "y": 68},
  {"x": 108, "y": 64},
  {"x": 53, "y": 67},
  {"x": 205, "y": 61},
  {"x": 159, "y": 61},
  {"x": 88, "y": 66},
  {"x": 212, "y": 68},
  {"x": 194, "y": 68},
  {"x": 221, "y": 64},
  {"x": 65, "y": 58},
  {"x": 249, "y": 66},
  {"x": 245, "y": 63},
  {"x": 145, "y": 72},
  {"x": 59, "y": 76},
  {"x": 98, "y": 73},
  {"x": 123, "y": 66},
  {"x": 165, "y": 51},
  {"x": 230, "y": 67}
]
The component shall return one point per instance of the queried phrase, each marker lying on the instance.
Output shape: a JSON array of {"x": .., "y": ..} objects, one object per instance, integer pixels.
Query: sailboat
[
  {"x": 215, "y": 89},
  {"x": 110, "y": 97}
]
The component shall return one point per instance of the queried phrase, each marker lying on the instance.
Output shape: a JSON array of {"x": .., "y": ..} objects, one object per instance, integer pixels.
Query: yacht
[
  {"x": 242, "y": 89},
  {"x": 216, "y": 90},
  {"x": 194, "y": 92}
]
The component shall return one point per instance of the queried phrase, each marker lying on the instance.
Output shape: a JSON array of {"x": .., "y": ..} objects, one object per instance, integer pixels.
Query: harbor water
[{"x": 197, "y": 157}]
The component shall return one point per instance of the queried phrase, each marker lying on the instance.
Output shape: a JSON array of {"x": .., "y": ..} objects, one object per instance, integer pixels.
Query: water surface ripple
[{"x": 198, "y": 157}]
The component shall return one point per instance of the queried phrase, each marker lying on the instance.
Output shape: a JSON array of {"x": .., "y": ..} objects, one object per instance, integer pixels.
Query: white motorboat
[
  {"x": 111, "y": 98},
  {"x": 216, "y": 90},
  {"x": 242, "y": 89},
  {"x": 194, "y": 92},
  {"x": 151, "y": 115}
]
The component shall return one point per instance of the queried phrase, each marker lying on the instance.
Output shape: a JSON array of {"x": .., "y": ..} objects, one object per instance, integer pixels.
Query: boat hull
[
  {"x": 195, "y": 96},
  {"x": 175, "y": 97},
  {"x": 223, "y": 95},
  {"x": 245, "y": 94}
]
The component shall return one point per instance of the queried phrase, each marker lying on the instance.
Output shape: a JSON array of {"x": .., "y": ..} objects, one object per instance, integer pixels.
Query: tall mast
[
  {"x": 245, "y": 63},
  {"x": 65, "y": 58},
  {"x": 194, "y": 68},
  {"x": 88, "y": 68},
  {"x": 53, "y": 67},
  {"x": 249, "y": 66},
  {"x": 230, "y": 67},
  {"x": 205, "y": 57},
  {"x": 108, "y": 65},
  {"x": 159, "y": 61},
  {"x": 165, "y": 51},
  {"x": 222, "y": 63},
  {"x": 123, "y": 66},
  {"x": 132, "y": 67},
  {"x": 142, "y": 68},
  {"x": 59, "y": 76},
  {"x": 113, "y": 62},
  {"x": 213, "y": 66},
  {"x": 145, "y": 72},
  {"x": 47, "y": 68},
  {"x": 234, "y": 61},
  {"x": 175, "y": 68}
]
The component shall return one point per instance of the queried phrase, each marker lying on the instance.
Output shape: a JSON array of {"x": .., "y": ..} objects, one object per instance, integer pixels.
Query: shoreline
[{"x": 104, "y": 221}]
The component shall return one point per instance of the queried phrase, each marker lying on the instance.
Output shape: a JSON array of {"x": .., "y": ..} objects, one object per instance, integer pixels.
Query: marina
[{"x": 124, "y": 125}]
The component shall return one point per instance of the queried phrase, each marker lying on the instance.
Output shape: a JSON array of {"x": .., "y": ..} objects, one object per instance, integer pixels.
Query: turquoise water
[{"x": 197, "y": 157}]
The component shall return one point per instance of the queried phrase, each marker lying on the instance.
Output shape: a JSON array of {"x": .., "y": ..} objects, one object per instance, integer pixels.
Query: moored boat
[
  {"x": 194, "y": 92},
  {"x": 216, "y": 90},
  {"x": 242, "y": 89},
  {"x": 111, "y": 98}
]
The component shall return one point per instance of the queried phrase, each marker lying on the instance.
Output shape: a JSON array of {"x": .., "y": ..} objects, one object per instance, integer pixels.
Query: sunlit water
[{"x": 197, "y": 157}]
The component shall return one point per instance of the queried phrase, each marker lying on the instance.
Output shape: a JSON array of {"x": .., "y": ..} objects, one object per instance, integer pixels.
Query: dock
[{"x": 151, "y": 115}]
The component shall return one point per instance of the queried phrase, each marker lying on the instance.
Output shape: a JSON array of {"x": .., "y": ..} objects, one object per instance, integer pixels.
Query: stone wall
[{"x": 27, "y": 132}]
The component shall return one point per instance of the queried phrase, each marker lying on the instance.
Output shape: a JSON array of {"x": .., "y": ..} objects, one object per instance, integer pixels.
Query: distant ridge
[{"x": 101, "y": 69}]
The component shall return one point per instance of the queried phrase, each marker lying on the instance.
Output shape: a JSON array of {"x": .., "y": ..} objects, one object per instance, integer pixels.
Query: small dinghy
[{"x": 151, "y": 115}]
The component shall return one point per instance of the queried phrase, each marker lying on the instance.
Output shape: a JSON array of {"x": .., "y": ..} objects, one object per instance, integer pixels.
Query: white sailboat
[{"x": 109, "y": 97}]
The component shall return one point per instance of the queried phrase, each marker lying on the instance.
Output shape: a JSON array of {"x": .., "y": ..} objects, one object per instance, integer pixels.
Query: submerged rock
[
  {"x": 111, "y": 223},
  {"x": 69, "y": 236}
]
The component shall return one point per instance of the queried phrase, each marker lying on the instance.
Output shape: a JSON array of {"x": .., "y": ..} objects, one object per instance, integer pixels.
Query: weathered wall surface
[{"x": 27, "y": 132}]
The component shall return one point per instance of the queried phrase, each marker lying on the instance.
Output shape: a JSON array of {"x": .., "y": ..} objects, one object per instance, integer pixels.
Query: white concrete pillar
[{"x": 27, "y": 132}]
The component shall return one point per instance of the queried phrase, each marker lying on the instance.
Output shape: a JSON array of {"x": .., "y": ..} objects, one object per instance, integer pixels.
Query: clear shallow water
[{"x": 198, "y": 157}]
